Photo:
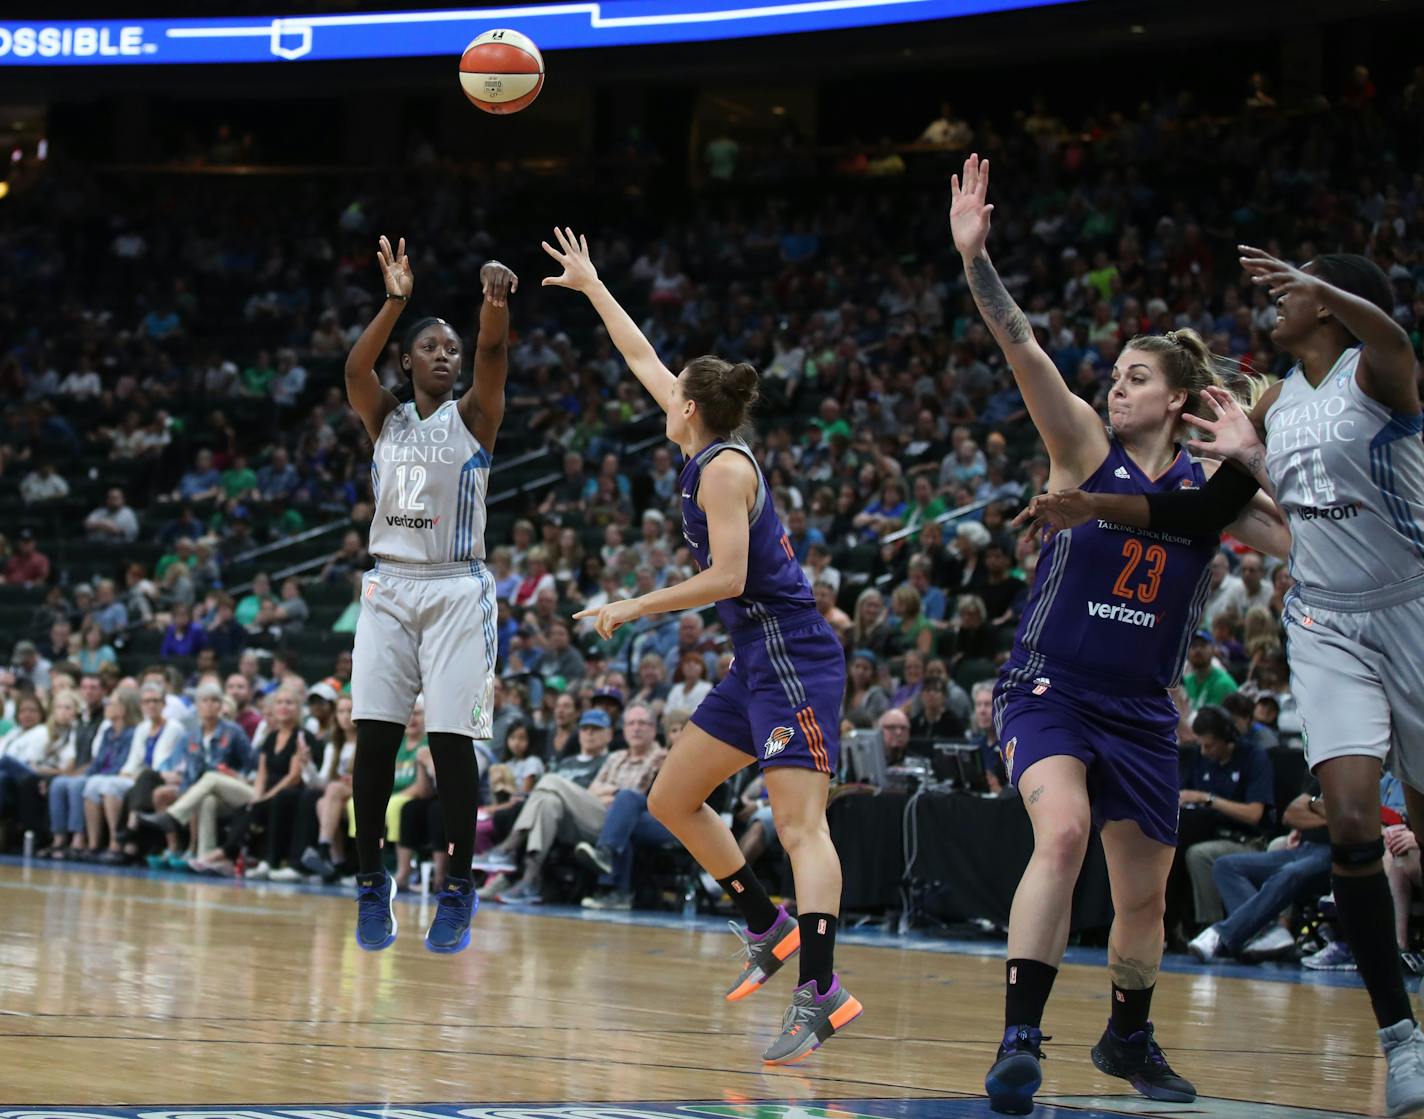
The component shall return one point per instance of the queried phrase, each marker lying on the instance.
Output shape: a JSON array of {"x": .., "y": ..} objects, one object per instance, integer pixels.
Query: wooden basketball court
[{"x": 176, "y": 997}]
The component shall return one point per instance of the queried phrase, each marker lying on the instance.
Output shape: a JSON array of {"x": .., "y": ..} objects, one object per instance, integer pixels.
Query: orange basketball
[{"x": 502, "y": 71}]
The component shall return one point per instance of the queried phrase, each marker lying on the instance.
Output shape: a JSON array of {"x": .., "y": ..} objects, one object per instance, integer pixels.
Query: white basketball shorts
[{"x": 426, "y": 628}]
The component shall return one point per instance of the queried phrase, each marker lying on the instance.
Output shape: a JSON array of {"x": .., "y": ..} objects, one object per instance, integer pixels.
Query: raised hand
[
  {"x": 395, "y": 268},
  {"x": 1233, "y": 434},
  {"x": 1276, "y": 276},
  {"x": 579, "y": 273},
  {"x": 498, "y": 283},
  {"x": 968, "y": 210}
]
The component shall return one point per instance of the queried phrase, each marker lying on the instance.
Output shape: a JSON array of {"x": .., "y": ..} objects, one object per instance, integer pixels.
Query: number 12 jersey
[{"x": 429, "y": 479}]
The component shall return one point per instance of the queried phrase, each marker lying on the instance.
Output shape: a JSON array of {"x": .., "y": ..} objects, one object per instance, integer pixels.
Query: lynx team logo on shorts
[
  {"x": 777, "y": 741},
  {"x": 475, "y": 714}
]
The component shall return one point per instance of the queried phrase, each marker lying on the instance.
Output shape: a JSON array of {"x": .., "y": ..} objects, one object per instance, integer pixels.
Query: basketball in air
[{"x": 502, "y": 71}]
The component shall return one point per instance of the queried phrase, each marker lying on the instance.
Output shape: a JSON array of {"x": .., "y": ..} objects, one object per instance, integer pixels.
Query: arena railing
[{"x": 953, "y": 515}]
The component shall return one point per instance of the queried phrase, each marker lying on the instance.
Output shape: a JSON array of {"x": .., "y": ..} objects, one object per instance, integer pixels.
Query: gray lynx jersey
[
  {"x": 1350, "y": 475},
  {"x": 429, "y": 479}
]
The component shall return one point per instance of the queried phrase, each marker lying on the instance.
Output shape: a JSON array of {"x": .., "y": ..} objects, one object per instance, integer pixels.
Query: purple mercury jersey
[
  {"x": 776, "y": 587},
  {"x": 780, "y": 702},
  {"x": 1104, "y": 636},
  {"x": 1113, "y": 608}
]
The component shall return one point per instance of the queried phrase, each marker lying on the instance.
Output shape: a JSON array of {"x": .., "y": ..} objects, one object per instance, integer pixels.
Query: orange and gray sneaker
[
  {"x": 765, "y": 952},
  {"x": 810, "y": 1021}
]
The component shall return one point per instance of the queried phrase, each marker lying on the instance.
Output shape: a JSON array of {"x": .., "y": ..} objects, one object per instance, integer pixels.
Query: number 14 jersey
[
  {"x": 1113, "y": 608},
  {"x": 429, "y": 479},
  {"x": 1350, "y": 475}
]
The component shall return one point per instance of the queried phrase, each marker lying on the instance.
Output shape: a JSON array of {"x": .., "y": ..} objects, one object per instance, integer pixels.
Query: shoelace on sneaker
[
  {"x": 1154, "y": 1054},
  {"x": 748, "y": 948},
  {"x": 371, "y": 903},
  {"x": 798, "y": 1016},
  {"x": 1023, "y": 1040}
]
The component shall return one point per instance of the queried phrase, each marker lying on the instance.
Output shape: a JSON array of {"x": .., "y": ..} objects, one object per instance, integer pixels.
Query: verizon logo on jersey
[
  {"x": 1115, "y": 612},
  {"x": 412, "y": 522},
  {"x": 1328, "y": 513}
]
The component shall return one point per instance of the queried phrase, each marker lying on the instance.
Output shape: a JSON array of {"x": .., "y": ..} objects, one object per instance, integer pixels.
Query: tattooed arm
[{"x": 1072, "y": 431}]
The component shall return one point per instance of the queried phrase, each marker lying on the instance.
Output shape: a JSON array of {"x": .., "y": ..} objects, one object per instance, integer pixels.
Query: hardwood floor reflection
[{"x": 126, "y": 990}]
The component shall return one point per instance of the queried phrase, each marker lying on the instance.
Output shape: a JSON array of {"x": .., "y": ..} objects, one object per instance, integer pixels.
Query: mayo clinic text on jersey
[
  {"x": 405, "y": 442},
  {"x": 1312, "y": 424}
]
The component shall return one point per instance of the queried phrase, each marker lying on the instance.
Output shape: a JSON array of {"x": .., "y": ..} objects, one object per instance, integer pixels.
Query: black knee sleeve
[{"x": 1353, "y": 855}]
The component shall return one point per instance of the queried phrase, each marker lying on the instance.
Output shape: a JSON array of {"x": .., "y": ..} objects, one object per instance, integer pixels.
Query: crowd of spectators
[{"x": 895, "y": 443}]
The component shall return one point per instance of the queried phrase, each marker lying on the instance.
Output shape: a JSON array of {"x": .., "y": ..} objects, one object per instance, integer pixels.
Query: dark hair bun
[
  {"x": 741, "y": 382},
  {"x": 724, "y": 393}
]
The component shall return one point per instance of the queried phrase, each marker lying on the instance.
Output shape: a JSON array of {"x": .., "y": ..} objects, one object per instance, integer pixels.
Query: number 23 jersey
[
  {"x": 429, "y": 479},
  {"x": 1350, "y": 475},
  {"x": 1113, "y": 608}
]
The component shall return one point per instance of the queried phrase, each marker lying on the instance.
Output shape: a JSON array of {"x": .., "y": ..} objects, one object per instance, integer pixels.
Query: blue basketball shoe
[
  {"x": 455, "y": 905},
  {"x": 1016, "y": 1074},
  {"x": 375, "y": 911}
]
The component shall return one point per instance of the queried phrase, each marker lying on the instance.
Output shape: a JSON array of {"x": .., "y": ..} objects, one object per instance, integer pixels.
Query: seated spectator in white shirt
[
  {"x": 43, "y": 484},
  {"x": 82, "y": 382},
  {"x": 291, "y": 379},
  {"x": 947, "y": 131},
  {"x": 113, "y": 521},
  {"x": 1252, "y": 589},
  {"x": 690, "y": 683},
  {"x": 29, "y": 665}
]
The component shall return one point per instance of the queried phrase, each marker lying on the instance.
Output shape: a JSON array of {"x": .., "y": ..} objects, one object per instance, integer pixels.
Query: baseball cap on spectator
[
  {"x": 25, "y": 534},
  {"x": 322, "y": 690},
  {"x": 208, "y": 691},
  {"x": 609, "y": 695},
  {"x": 587, "y": 643},
  {"x": 594, "y": 717},
  {"x": 1202, "y": 635},
  {"x": 654, "y": 515},
  {"x": 556, "y": 683},
  {"x": 865, "y": 655},
  {"x": 25, "y": 649}
]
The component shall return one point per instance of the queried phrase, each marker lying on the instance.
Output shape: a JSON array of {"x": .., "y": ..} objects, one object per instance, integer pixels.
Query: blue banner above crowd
[{"x": 611, "y": 23}]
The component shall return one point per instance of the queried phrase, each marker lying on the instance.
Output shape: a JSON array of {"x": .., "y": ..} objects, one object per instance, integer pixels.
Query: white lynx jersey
[
  {"x": 429, "y": 478},
  {"x": 1350, "y": 475}
]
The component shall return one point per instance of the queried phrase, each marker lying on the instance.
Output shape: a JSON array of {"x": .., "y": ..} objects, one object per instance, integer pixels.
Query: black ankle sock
[
  {"x": 457, "y": 777},
  {"x": 373, "y": 776},
  {"x": 1130, "y": 1010},
  {"x": 750, "y": 898},
  {"x": 323, "y": 848},
  {"x": 1026, "y": 990},
  {"x": 818, "y": 949},
  {"x": 1367, "y": 922}
]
